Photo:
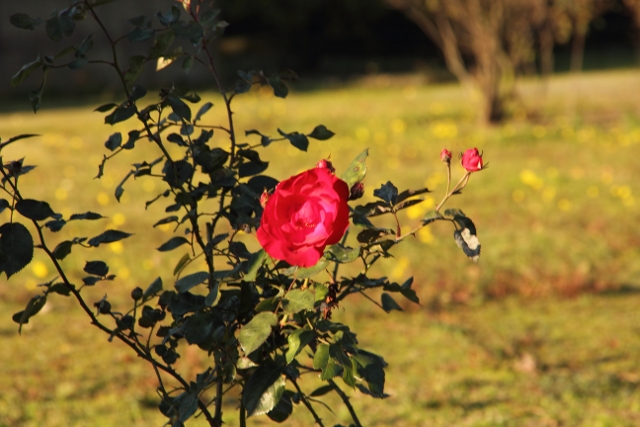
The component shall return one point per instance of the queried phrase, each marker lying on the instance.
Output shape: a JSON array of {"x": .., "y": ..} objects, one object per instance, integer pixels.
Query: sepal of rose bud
[
  {"x": 356, "y": 191},
  {"x": 264, "y": 197},
  {"x": 471, "y": 160},
  {"x": 445, "y": 156},
  {"x": 326, "y": 164}
]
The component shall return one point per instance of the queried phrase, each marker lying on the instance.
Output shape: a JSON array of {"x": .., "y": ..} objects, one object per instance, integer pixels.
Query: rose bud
[
  {"x": 471, "y": 160},
  {"x": 326, "y": 164},
  {"x": 357, "y": 191},
  {"x": 304, "y": 214},
  {"x": 445, "y": 156},
  {"x": 264, "y": 197},
  {"x": 137, "y": 294}
]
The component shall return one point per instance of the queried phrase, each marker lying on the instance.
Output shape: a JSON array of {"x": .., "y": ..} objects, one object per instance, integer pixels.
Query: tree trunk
[
  {"x": 577, "y": 50},
  {"x": 546, "y": 52}
]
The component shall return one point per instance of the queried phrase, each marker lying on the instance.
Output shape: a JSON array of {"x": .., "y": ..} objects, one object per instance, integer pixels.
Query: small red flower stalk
[{"x": 470, "y": 160}]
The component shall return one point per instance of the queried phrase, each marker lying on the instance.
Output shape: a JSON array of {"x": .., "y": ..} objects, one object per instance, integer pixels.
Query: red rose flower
[
  {"x": 471, "y": 160},
  {"x": 304, "y": 214},
  {"x": 445, "y": 155}
]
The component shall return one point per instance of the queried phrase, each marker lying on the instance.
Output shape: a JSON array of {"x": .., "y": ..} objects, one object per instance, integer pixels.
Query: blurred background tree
[{"x": 483, "y": 44}]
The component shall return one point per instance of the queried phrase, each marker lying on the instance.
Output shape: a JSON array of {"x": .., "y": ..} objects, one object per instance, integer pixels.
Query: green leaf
[
  {"x": 405, "y": 290},
  {"x": 254, "y": 264},
  {"x": 202, "y": 111},
  {"x": 54, "y": 28},
  {"x": 173, "y": 243},
  {"x": 263, "y": 389},
  {"x": 154, "y": 288},
  {"x": 60, "y": 289},
  {"x": 453, "y": 212},
  {"x": 106, "y": 107},
  {"x": 140, "y": 34},
  {"x": 24, "y": 21},
  {"x": 136, "y": 63},
  {"x": 343, "y": 255},
  {"x": 64, "y": 52},
  {"x": 255, "y": 333},
  {"x": 283, "y": 409},
  {"x": 279, "y": 88},
  {"x": 16, "y": 248},
  {"x": 268, "y": 304},
  {"x": 432, "y": 216},
  {"x": 372, "y": 371},
  {"x": 4, "y": 204},
  {"x": 370, "y": 235},
  {"x": 296, "y": 139},
  {"x": 187, "y": 282},
  {"x": 357, "y": 170},
  {"x": 321, "y": 357},
  {"x": 298, "y": 300},
  {"x": 172, "y": 15},
  {"x": 186, "y": 405},
  {"x": 114, "y": 141},
  {"x": 387, "y": 192},
  {"x": 187, "y": 30},
  {"x": 187, "y": 64},
  {"x": 321, "y": 391},
  {"x": 465, "y": 222},
  {"x": 86, "y": 215},
  {"x": 468, "y": 242},
  {"x": 304, "y": 273},
  {"x": 137, "y": 92},
  {"x": 67, "y": 24},
  {"x": 350, "y": 373},
  {"x": 120, "y": 114},
  {"x": 389, "y": 304},
  {"x": 181, "y": 264},
  {"x": 108, "y": 236},
  {"x": 162, "y": 43},
  {"x": 33, "y": 307},
  {"x": 298, "y": 340},
  {"x": 97, "y": 268},
  {"x": 34, "y": 209},
  {"x": 321, "y": 133},
  {"x": 25, "y": 71},
  {"x": 85, "y": 45},
  {"x": 179, "y": 107},
  {"x": 62, "y": 250},
  {"x": 35, "y": 97},
  {"x": 332, "y": 370}
]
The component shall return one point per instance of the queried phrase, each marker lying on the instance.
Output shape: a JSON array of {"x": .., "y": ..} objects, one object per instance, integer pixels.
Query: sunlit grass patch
[{"x": 556, "y": 212}]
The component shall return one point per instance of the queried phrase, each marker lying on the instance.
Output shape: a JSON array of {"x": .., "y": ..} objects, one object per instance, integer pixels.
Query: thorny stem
[
  {"x": 306, "y": 402},
  {"x": 459, "y": 186},
  {"x": 227, "y": 100},
  {"x": 346, "y": 401}
]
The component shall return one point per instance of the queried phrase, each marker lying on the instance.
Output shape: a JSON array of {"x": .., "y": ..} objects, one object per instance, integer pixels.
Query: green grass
[{"x": 556, "y": 211}]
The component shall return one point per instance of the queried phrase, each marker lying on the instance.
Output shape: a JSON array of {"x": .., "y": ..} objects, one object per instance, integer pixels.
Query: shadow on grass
[
  {"x": 625, "y": 289},
  {"x": 466, "y": 406}
]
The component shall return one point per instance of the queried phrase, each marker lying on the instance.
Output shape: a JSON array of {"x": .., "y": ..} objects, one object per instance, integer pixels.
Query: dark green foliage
[{"x": 16, "y": 248}]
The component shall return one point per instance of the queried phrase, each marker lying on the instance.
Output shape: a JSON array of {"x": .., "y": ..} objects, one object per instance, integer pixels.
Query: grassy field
[{"x": 512, "y": 340}]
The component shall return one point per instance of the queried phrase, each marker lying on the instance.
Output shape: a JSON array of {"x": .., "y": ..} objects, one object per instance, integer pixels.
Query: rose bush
[
  {"x": 471, "y": 160},
  {"x": 305, "y": 213}
]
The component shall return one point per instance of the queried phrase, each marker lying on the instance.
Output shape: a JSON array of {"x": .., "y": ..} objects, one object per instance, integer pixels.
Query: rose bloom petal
[
  {"x": 471, "y": 160},
  {"x": 305, "y": 213}
]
